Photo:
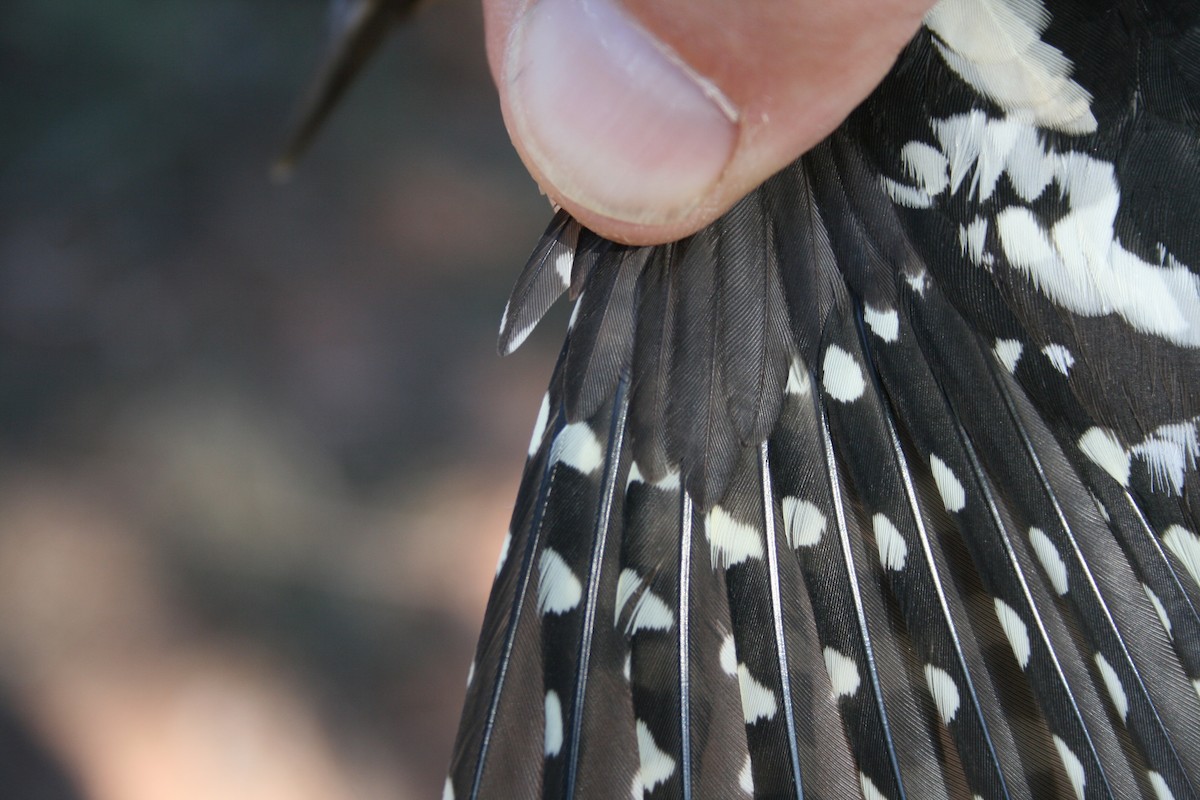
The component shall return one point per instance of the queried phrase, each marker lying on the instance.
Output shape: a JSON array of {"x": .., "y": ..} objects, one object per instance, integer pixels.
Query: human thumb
[{"x": 647, "y": 119}]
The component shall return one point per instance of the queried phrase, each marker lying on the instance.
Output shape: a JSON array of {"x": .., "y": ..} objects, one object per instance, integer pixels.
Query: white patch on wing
[
  {"x": 628, "y": 582},
  {"x": 944, "y": 691},
  {"x": 843, "y": 673},
  {"x": 803, "y": 522},
  {"x": 448, "y": 790},
  {"x": 730, "y": 542},
  {"x": 949, "y": 487},
  {"x": 973, "y": 240},
  {"x": 758, "y": 702},
  {"x": 892, "y": 549},
  {"x": 554, "y": 724},
  {"x": 1060, "y": 357},
  {"x": 669, "y": 482},
  {"x": 884, "y": 323},
  {"x": 656, "y": 766},
  {"x": 842, "y": 375},
  {"x": 1101, "y": 447},
  {"x": 1113, "y": 683},
  {"x": 507, "y": 543},
  {"x": 1161, "y": 790},
  {"x": 746, "y": 778},
  {"x": 1186, "y": 547},
  {"x": 635, "y": 475},
  {"x": 1169, "y": 451},
  {"x": 869, "y": 790},
  {"x": 996, "y": 46},
  {"x": 559, "y": 590},
  {"x": 1015, "y": 631},
  {"x": 927, "y": 166},
  {"x": 539, "y": 427},
  {"x": 728, "y": 655},
  {"x": 1159, "y": 609},
  {"x": 563, "y": 260},
  {"x": 908, "y": 196},
  {"x": 1008, "y": 353},
  {"x": 798, "y": 383},
  {"x": 1051, "y": 561},
  {"x": 577, "y": 447},
  {"x": 1073, "y": 766}
]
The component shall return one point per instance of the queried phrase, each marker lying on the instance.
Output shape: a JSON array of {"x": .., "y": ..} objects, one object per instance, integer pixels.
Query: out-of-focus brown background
[{"x": 257, "y": 452}]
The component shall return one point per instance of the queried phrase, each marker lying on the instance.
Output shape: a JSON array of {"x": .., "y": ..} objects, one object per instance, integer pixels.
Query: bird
[{"x": 885, "y": 483}]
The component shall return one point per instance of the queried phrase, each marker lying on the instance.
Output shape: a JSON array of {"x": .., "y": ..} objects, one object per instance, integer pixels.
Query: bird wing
[{"x": 884, "y": 484}]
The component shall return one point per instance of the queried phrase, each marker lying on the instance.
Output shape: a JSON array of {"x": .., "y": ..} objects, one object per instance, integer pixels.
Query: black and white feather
[{"x": 886, "y": 483}]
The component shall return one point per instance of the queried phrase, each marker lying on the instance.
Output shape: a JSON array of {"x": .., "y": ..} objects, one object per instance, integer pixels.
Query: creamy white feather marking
[
  {"x": 1073, "y": 766},
  {"x": 1159, "y": 609},
  {"x": 1169, "y": 452},
  {"x": 892, "y": 548},
  {"x": 869, "y": 790},
  {"x": 1060, "y": 358},
  {"x": 907, "y": 196},
  {"x": 669, "y": 482},
  {"x": 843, "y": 673},
  {"x": 798, "y": 383},
  {"x": 577, "y": 447},
  {"x": 841, "y": 375},
  {"x": 1186, "y": 547},
  {"x": 1015, "y": 631},
  {"x": 628, "y": 669},
  {"x": 554, "y": 724},
  {"x": 635, "y": 475},
  {"x": 972, "y": 237},
  {"x": 954, "y": 498},
  {"x": 1101, "y": 447},
  {"x": 803, "y": 522},
  {"x": 628, "y": 583},
  {"x": 1113, "y": 683},
  {"x": 448, "y": 790},
  {"x": 758, "y": 702},
  {"x": 1051, "y": 561},
  {"x": 884, "y": 323},
  {"x": 746, "y": 778},
  {"x": 730, "y": 542},
  {"x": 1161, "y": 790},
  {"x": 559, "y": 590},
  {"x": 927, "y": 166},
  {"x": 944, "y": 691},
  {"x": 728, "y": 655},
  {"x": 656, "y": 765},
  {"x": 1008, "y": 353},
  {"x": 539, "y": 427},
  {"x": 996, "y": 46},
  {"x": 507, "y": 543}
]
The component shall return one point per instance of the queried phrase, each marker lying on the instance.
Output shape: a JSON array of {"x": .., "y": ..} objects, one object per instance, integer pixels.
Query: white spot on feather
[
  {"x": 635, "y": 475},
  {"x": 996, "y": 46},
  {"x": 669, "y": 482},
  {"x": 758, "y": 702},
  {"x": 1161, "y": 790},
  {"x": 559, "y": 590},
  {"x": 803, "y": 522},
  {"x": 843, "y": 673},
  {"x": 953, "y": 496},
  {"x": 628, "y": 670},
  {"x": 577, "y": 447},
  {"x": 869, "y": 790},
  {"x": 1169, "y": 451},
  {"x": 944, "y": 691},
  {"x": 1051, "y": 561},
  {"x": 507, "y": 543},
  {"x": 728, "y": 655},
  {"x": 650, "y": 612},
  {"x": 563, "y": 260},
  {"x": 1113, "y": 683},
  {"x": 883, "y": 323},
  {"x": 927, "y": 166},
  {"x": 1015, "y": 630},
  {"x": 628, "y": 583},
  {"x": 746, "y": 778},
  {"x": 1008, "y": 353},
  {"x": 448, "y": 790},
  {"x": 656, "y": 766},
  {"x": 1159, "y": 609},
  {"x": 907, "y": 196},
  {"x": 1073, "y": 766},
  {"x": 731, "y": 542},
  {"x": 1186, "y": 547},
  {"x": 841, "y": 375},
  {"x": 539, "y": 427},
  {"x": 1060, "y": 357},
  {"x": 798, "y": 383},
  {"x": 554, "y": 724},
  {"x": 892, "y": 549},
  {"x": 973, "y": 240},
  {"x": 1102, "y": 449}
]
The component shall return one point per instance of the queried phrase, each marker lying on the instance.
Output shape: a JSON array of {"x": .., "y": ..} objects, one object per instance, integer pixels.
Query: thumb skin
[{"x": 648, "y": 119}]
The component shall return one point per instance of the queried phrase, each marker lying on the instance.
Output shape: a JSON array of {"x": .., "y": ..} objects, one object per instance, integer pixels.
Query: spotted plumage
[{"x": 885, "y": 484}]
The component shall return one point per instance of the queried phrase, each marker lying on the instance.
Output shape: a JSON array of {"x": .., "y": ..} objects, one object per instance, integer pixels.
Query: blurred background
[{"x": 257, "y": 452}]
